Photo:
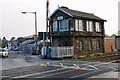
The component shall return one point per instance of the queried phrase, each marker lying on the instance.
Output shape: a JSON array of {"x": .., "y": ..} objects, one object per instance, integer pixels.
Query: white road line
[
  {"x": 93, "y": 67},
  {"x": 23, "y": 76},
  {"x": 55, "y": 74},
  {"x": 76, "y": 66},
  {"x": 48, "y": 63},
  {"x": 61, "y": 64},
  {"x": 113, "y": 68}
]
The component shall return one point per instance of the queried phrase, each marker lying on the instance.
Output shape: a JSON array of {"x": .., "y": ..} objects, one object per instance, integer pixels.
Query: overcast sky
[{"x": 14, "y": 23}]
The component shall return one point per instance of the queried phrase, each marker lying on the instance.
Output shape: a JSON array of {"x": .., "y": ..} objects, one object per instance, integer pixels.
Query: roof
[{"x": 77, "y": 14}]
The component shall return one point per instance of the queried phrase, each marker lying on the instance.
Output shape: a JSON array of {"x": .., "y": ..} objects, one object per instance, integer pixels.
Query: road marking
[
  {"x": 70, "y": 67},
  {"x": 4, "y": 76},
  {"x": 48, "y": 63},
  {"x": 65, "y": 67},
  {"x": 93, "y": 67},
  {"x": 76, "y": 66},
  {"x": 61, "y": 64},
  {"x": 22, "y": 76},
  {"x": 55, "y": 74},
  {"x": 113, "y": 68},
  {"x": 43, "y": 65}
]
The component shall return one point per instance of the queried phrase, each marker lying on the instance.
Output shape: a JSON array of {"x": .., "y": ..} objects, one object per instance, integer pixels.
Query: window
[
  {"x": 81, "y": 45},
  {"x": 63, "y": 25},
  {"x": 79, "y": 25},
  {"x": 98, "y": 26},
  {"x": 90, "y": 45},
  {"x": 98, "y": 44},
  {"x": 89, "y": 25},
  {"x": 76, "y": 24},
  {"x": 71, "y": 24},
  {"x": 55, "y": 27}
]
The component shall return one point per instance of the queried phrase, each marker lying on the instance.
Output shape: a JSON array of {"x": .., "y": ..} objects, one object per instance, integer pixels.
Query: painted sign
[{"x": 60, "y": 18}]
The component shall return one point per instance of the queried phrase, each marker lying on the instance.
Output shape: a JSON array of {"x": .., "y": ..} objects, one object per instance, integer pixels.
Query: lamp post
[{"x": 35, "y": 27}]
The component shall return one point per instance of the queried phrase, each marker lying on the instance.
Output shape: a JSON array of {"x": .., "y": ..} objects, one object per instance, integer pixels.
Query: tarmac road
[{"x": 24, "y": 66}]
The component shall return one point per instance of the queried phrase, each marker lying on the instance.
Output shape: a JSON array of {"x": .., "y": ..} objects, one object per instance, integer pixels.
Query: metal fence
[{"x": 57, "y": 52}]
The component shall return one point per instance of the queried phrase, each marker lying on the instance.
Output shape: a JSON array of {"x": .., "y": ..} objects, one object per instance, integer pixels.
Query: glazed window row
[{"x": 76, "y": 25}]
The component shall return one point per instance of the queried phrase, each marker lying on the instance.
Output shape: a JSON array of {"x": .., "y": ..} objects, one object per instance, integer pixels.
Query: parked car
[
  {"x": 3, "y": 52},
  {"x": 16, "y": 49}
]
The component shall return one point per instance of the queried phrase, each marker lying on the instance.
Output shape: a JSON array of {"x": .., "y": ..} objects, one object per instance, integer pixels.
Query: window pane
[
  {"x": 76, "y": 24},
  {"x": 80, "y": 25},
  {"x": 64, "y": 25},
  {"x": 98, "y": 26},
  {"x": 54, "y": 25},
  {"x": 89, "y": 26},
  {"x": 72, "y": 25}
]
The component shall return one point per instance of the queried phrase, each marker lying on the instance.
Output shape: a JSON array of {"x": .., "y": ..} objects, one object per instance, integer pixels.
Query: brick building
[
  {"x": 83, "y": 31},
  {"x": 109, "y": 44}
]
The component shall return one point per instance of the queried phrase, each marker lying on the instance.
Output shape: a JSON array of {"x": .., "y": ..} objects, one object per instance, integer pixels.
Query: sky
[{"x": 15, "y": 24}]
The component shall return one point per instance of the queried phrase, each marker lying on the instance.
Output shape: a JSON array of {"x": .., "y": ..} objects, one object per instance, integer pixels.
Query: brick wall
[{"x": 109, "y": 45}]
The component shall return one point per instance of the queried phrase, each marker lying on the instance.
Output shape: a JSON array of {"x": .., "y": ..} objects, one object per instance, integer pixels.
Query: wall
[
  {"x": 86, "y": 51},
  {"x": 109, "y": 45}
]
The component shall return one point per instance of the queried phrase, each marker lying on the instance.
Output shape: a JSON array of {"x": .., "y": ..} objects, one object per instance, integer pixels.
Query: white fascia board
[{"x": 60, "y": 10}]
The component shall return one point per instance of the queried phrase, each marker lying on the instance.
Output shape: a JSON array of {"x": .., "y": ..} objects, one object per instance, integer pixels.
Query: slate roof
[{"x": 79, "y": 14}]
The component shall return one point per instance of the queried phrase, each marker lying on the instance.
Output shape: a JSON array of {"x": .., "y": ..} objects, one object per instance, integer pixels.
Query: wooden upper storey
[{"x": 66, "y": 21}]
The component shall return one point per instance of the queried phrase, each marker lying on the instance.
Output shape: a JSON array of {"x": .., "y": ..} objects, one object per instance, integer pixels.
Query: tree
[
  {"x": 20, "y": 39},
  {"x": 0, "y": 43},
  {"x": 113, "y": 35},
  {"x": 12, "y": 39},
  {"x": 4, "y": 42}
]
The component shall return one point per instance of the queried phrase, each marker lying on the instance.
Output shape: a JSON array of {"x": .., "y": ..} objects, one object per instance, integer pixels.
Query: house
[
  {"x": 83, "y": 31},
  {"x": 109, "y": 44}
]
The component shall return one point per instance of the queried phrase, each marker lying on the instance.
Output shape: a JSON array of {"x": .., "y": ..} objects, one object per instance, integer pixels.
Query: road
[{"x": 24, "y": 66}]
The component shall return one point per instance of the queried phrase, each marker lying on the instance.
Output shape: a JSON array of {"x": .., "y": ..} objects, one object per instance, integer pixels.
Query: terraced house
[{"x": 83, "y": 31}]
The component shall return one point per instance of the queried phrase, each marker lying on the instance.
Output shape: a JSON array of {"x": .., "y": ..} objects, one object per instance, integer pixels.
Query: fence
[{"x": 57, "y": 52}]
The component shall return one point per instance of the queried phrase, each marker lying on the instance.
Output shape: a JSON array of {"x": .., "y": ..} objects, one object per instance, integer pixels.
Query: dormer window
[
  {"x": 89, "y": 25},
  {"x": 98, "y": 26}
]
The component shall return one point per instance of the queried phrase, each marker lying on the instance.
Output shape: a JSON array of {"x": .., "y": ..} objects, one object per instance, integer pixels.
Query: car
[
  {"x": 3, "y": 53},
  {"x": 16, "y": 49}
]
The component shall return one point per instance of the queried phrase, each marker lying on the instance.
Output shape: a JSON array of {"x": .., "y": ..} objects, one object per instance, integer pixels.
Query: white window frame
[
  {"x": 98, "y": 26},
  {"x": 89, "y": 26},
  {"x": 62, "y": 26},
  {"x": 55, "y": 26}
]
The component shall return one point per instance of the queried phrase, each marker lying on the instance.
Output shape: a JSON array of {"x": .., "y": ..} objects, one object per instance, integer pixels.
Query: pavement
[{"x": 25, "y": 66}]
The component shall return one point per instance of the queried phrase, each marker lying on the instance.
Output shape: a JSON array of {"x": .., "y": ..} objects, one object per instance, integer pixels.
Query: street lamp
[{"x": 35, "y": 27}]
